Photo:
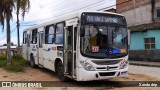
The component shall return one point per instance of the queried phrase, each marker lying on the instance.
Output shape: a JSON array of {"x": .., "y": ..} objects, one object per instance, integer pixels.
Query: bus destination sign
[{"x": 101, "y": 19}]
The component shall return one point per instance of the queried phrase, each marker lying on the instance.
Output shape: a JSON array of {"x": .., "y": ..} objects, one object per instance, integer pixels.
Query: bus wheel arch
[
  {"x": 56, "y": 63},
  {"x": 59, "y": 70},
  {"x": 32, "y": 61}
]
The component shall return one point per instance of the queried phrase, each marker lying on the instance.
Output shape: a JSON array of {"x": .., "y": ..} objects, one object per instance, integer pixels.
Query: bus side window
[
  {"x": 34, "y": 36},
  {"x": 75, "y": 37},
  {"x": 69, "y": 35},
  {"x": 49, "y": 34},
  {"x": 24, "y": 37},
  {"x": 59, "y": 33},
  {"x": 28, "y": 40},
  {"x": 40, "y": 39}
]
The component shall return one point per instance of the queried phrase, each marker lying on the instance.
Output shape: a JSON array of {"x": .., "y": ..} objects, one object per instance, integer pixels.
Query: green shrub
[
  {"x": 17, "y": 65},
  {"x": 3, "y": 61},
  {"x": 3, "y": 57},
  {"x": 14, "y": 68}
]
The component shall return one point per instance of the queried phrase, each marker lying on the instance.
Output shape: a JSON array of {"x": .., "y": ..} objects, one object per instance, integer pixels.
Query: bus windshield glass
[
  {"x": 104, "y": 35},
  {"x": 104, "y": 41}
]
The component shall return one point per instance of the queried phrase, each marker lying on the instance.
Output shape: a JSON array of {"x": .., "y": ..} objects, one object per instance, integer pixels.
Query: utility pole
[
  {"x": 18, "y": 4},
  {"x": 18, "y": 34}
]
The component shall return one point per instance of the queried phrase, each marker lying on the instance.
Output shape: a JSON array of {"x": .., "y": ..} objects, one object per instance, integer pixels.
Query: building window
[
  {"x": 49, "y": 34},
  {"x": 59, "y": 33},
  {"x": 34, "y": 36},
  {"x": 158, "y": 13},
  {"x": 149, "y": 43}
]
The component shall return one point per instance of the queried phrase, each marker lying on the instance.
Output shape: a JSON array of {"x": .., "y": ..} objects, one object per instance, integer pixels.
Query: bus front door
[
  {"x": 69, "y": 58},
  {"x": 40, "y": 46}
]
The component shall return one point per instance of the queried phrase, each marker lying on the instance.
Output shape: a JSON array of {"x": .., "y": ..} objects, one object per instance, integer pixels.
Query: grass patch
[
  {"x": 17, "y": 65},
  {"x": 3, "y": 61}
]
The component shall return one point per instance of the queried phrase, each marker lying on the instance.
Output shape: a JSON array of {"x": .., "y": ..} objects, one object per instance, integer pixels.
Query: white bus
[{"x": 83, "y": 46}]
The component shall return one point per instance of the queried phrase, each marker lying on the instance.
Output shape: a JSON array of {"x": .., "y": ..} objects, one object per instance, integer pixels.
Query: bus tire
[
  {"x": 60, "y": 72},
  {"x": 32, "y": 61}
]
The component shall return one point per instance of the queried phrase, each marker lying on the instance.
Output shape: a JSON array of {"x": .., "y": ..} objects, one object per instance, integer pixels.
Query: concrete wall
[
  {"x": 137, "y": 42},
  {"x": 138, "y": 12},
  {"x": 140, "y": 18},
  {"x": 3, "y": 52},
  {"x": 137, "y": 39},
  {"x": 139, "y": 15},
  {"x": 157, "y": 3},
  {"x": 145, "y": 55},
  {"x": 123, "y": 5}
]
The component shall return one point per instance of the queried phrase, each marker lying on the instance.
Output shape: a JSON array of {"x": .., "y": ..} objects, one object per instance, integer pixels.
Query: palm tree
[
  {"x": 24, "y": 6},
  {"x": 6, "y": 9}
]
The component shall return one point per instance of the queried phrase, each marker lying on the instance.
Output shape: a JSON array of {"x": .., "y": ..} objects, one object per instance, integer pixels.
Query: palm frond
[{"x": 24, "y": 6}]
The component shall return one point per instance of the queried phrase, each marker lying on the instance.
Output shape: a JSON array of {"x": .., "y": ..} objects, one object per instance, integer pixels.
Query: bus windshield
[{"x": 102, "y": 41}]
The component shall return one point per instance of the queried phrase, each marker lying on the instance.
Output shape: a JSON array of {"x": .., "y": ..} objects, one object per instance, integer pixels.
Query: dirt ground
[{"x": 40, "y": 74}]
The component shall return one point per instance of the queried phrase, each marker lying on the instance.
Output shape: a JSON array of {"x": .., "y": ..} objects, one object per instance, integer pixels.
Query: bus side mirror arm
[{"x": 129, "y": 36}]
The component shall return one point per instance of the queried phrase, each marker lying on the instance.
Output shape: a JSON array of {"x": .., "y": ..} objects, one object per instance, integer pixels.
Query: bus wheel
[
  {"x": 60, "y": 72},
  {"x": 32, "y": 62}
]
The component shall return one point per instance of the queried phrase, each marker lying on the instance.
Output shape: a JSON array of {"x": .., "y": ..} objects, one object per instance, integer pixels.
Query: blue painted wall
[{"x": 137, "y": 39}]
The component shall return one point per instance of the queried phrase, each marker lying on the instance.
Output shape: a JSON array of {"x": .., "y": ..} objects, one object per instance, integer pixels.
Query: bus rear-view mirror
[{"x": 82, "y": 31}]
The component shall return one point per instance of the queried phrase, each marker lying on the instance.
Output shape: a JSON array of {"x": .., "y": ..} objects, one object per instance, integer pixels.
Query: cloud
[{"x": 44, "y": 10}]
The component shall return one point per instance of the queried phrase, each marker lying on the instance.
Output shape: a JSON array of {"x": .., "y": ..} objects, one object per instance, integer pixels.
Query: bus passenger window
[
  {"x": 59, "y": 33},
  {"x": 49, "y": 34},
  {"x": 24, "y": 37},
  {"x": 40, "y": 39},
  {"x": 34, "y": 36}
]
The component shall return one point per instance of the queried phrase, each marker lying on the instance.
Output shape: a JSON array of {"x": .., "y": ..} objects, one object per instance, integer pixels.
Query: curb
[{"x": 140, "y": 64}]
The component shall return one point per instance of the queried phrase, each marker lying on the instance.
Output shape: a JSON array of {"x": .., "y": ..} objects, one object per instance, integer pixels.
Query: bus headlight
[
  {"x": 123, "y": 64},
  {"x": 87, "y": 66}
]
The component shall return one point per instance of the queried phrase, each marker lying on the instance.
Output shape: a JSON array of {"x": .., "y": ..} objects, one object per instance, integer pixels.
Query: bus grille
[
  {"x": 107, "y": 73},
  {"x": 110, "y": 62},
  {"x": 105, "y": 68}
]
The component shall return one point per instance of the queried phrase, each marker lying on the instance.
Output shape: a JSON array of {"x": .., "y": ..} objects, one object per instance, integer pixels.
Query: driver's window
[
  {"x": 117, "y": 36},
  {"x": 59, "y": 33},
  {"x": 93, "y": 31},
  {"x": 90, "y": 37},
  {"x": 103, "y": 30}
]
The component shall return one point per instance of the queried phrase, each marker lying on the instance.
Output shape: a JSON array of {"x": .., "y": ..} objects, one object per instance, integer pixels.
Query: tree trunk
[{"x": 8, "y": 41}]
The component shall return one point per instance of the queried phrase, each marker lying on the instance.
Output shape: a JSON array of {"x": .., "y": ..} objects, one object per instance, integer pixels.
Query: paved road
[
  {"x": 39, "y": 74},
  {"x": 146, "y": 70}
]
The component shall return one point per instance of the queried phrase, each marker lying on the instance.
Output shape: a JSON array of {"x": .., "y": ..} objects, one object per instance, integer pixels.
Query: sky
[{"x": 45, "y": 10}]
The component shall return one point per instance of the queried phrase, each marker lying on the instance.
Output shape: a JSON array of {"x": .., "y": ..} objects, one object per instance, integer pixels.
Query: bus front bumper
[{"x": 84, "y": 75}]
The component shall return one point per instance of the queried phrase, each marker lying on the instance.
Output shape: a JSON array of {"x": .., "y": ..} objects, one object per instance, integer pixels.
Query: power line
[
  {"x": 75, "y": 4},
  {"x": 10, "y": 33},
  {"x": 80, "y": 9},
  {"x": 114, "y": 5},
  {"x": 70, "y": 11},
  {"x": 69, "y": 4},
  {"x": 29, "y": 25},
  {"x": 73, "y": 11},
  {"x": 15, "y": 29},
  {"x": 89, "y": 6}
]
